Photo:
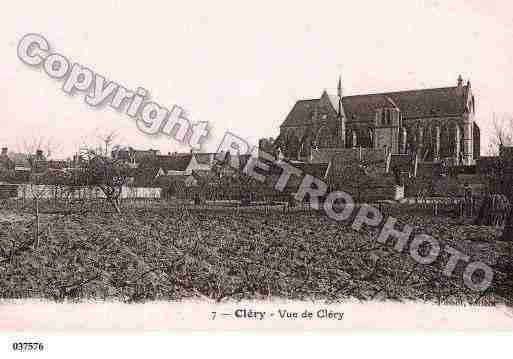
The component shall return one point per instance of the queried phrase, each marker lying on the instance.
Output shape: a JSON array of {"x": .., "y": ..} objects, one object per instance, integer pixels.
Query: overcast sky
[{"x": 241, "y": 66}]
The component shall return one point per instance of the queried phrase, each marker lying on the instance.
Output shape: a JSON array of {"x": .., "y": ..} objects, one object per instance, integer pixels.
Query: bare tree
[
  {"x": 107, "y": 139},
  {"x": 502, "y": 134},
  {"x": 100, "y": 141},
  {"x": 105, "y": 173},
  {"x": 31, "y": 144}
]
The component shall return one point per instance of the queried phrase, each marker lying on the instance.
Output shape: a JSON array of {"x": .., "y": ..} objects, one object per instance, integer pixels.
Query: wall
[
  {"x": 27, "y": 191},
  {"x": 344, "y": 155}
]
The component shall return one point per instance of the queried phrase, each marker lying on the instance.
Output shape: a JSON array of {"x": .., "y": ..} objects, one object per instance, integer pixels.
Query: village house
[
  {"x": 19, "y": 163},
  {"x": 204, "y": 161},
  {"x": 135, "y": 157},
  {"x": 177, "y": 164},
  {"x": 228, "y": 164},
  {"x": 5, "y": 162},
  {"x": 58, "y": 165}
]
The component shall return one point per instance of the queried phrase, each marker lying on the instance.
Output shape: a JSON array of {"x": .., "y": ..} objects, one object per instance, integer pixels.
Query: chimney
[{"x": 4, "y": 151}]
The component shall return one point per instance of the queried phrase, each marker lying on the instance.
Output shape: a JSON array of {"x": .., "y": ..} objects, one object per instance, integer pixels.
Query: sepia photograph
[{"x": 255, "y": 166}]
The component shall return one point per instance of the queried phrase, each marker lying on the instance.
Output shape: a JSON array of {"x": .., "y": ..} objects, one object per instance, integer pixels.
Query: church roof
[
  {"x": 435, "y": 102},
  {"x": 301, "y": 113}
]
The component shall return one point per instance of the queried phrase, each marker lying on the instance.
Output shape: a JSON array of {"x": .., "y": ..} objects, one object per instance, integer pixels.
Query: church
[{"x": 435, "y": 125}]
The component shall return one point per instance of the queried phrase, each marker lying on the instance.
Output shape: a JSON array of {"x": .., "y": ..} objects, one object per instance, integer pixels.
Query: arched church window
[
  {"x": 324, "y": 138},
  {"x": 403, "y": 140},
  {"x": 445, "y": 141},
  {"x": 450, "y": 142},
  {"x": 383, "y": 116},
  {"x": 293, "y": 147},
  {"x": 411, "y": 139},
  {"x": 349, "y": 139},
  {"x": 428, "y": 144},
  {"x": 306, "y": 146},
  {"x": 354, "y": 139}
]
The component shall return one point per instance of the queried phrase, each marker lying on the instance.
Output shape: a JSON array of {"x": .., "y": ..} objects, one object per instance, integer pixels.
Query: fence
[
  {"x": 235, "y": 206},
  {"x": 57, "y": 192},
  {"x": 428, "y": 207}
]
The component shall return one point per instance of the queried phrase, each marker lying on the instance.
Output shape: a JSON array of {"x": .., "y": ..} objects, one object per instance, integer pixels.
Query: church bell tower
[{"x": 387, "y": 124}]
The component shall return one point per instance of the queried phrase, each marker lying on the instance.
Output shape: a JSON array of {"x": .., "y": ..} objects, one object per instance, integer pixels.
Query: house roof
[
  {"x": 204, "y": 158},
  {"x": 240, "y": 160},
  {"x": 434, "y": 102},
  {"x": 204, "y": 175},
  {"x": 137, "y": 155},
  {"x": 142, "y": 155},
  {"x": 144, "y": 177},
  {"x": 175, "y": 162},
  {"x": 318, "y": 170},
  {"x": 183, "y": 177},
  {"x": 57, "y": 164},
  {"x": 122, "y": 155},
  {"x": 146, "y": 173}
]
